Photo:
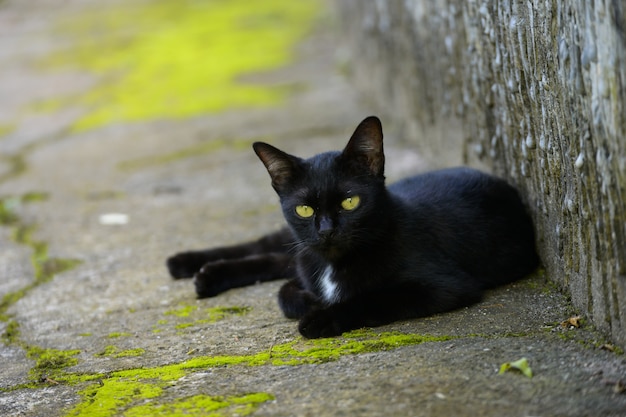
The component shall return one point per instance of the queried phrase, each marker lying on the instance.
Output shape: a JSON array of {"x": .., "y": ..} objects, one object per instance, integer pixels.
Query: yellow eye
[
  {"x": 304, "y": 211},
  {"x": 351, "y": 203}
]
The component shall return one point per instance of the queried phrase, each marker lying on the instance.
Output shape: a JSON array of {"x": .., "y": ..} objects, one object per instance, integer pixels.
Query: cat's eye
[
  {"x": 351, "y": 203},
  {"x": 304, "y": 211}
]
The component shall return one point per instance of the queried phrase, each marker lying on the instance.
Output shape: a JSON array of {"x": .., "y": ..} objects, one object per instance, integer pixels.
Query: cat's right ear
[
  {"x": 280, "y": 165},
  {"x": 366, "y": 146}
]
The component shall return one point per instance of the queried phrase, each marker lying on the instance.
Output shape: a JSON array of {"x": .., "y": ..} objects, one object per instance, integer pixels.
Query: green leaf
[{"x": 520, "y": 365}]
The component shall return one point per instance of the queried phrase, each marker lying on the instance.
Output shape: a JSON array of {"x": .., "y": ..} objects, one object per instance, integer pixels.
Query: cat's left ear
[
  {"x": 366, "y": 146},
  {"x": 280, "y": 165}
]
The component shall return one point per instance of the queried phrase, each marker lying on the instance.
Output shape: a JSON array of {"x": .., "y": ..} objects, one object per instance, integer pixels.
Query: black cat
[{"x": 362, "y": 254}]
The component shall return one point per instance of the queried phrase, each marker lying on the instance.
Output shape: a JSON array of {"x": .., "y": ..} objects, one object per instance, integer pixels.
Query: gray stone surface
[{"x": 120, "y": 295}]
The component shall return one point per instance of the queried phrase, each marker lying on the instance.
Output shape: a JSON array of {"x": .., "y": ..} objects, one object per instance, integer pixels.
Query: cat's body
[{"x": 362, "y": 254}]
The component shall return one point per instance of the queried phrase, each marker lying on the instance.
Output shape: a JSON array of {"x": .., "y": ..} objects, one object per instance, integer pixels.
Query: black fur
[{"x": 425, "y": 245}]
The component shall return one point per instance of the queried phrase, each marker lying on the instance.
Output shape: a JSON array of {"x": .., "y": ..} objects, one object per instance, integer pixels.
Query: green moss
[
  {"x": 8, "y": 215},
  {"x": 183, "y": 311},
  {"x": 129, "y": 386},
  {"x": 34, "y": 197},
  {"x": 108, "y": 351},
  {"x": 210, "y": 315},
  {"x": 361, "y": 341},
  {"x": 50, "y": 362},
  {"x": 129, "y": 352},
  {"x": 219, "y": 313},
  {"x": 6, "y": 129},
  {"x": 203, "y": 405},
  {"x": 317, "y": 351},
  {"x": 164, "y": 373},
  {"x": 10, "y": 206},
  {"x": 9, "y": 299},
  {"x": 53, "y": 266},
  {"x": 116, "y": 335},
  {"x": 17, "y": 166},
  {"x": 108, "y": 396},
  {"x": 45, "y": 268},
  {"x": 114, "y": 352},
  {"x": 179, "y": 59},
  {"x": 12, "y": 332},
  {"x": 300, "y": 351}
]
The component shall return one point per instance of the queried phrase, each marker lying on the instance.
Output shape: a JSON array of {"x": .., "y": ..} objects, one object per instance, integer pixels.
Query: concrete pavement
[{"x": 92, "y": 324}]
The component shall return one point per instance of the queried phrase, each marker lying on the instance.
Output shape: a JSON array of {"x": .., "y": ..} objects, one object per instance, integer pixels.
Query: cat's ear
[
  {"x": 281, "y": 166},
  {"x": 366, "y": 146}
]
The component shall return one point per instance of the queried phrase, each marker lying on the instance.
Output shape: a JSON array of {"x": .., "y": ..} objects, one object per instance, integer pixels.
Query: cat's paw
[
  {"x": 296, "y": 302},
  {"x": 209, "y": 280},
  {"x": 320, "y": 323},
  {"x": 183, "y": 265}
]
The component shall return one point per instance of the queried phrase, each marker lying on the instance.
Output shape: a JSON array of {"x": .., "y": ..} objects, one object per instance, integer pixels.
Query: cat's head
[{"x": 331, "y": 200}]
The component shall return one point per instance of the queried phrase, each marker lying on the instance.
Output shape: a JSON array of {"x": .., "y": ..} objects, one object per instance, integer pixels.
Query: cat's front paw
[
  {"x": 210, "y": 280},
  {"x": 296, "y": 302},
  {"x": 320, "y": 323},
  {"x": 183, "y": 265}
]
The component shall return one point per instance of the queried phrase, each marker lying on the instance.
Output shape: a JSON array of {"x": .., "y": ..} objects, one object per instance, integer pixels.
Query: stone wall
[{"x": 534, "y": 90}]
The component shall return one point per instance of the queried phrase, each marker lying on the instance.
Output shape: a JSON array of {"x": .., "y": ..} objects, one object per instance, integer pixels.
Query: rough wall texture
[{"x": 533, "y": 89}]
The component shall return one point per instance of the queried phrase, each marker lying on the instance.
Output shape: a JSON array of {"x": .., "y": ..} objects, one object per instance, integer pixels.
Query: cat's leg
[
  {"x": 216, "y": 277},
  {"x": 386, "y": 306},
  {"x": 295, "y": 301},
  {"x": 186, "y": 264}
]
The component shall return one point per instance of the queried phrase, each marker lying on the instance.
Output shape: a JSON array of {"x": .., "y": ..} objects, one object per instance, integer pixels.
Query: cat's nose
[{"x": 325, "y": 228}]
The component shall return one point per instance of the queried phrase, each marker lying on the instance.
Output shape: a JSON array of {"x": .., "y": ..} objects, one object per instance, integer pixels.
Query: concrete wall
[{"x": 534, "y": 90}]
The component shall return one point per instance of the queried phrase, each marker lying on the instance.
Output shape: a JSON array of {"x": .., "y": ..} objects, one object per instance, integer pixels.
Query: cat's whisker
[{"x": 297, "y": 247}]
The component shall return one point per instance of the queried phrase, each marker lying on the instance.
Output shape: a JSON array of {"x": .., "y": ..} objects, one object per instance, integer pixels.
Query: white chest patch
[{"x": 330, "y": 290}]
